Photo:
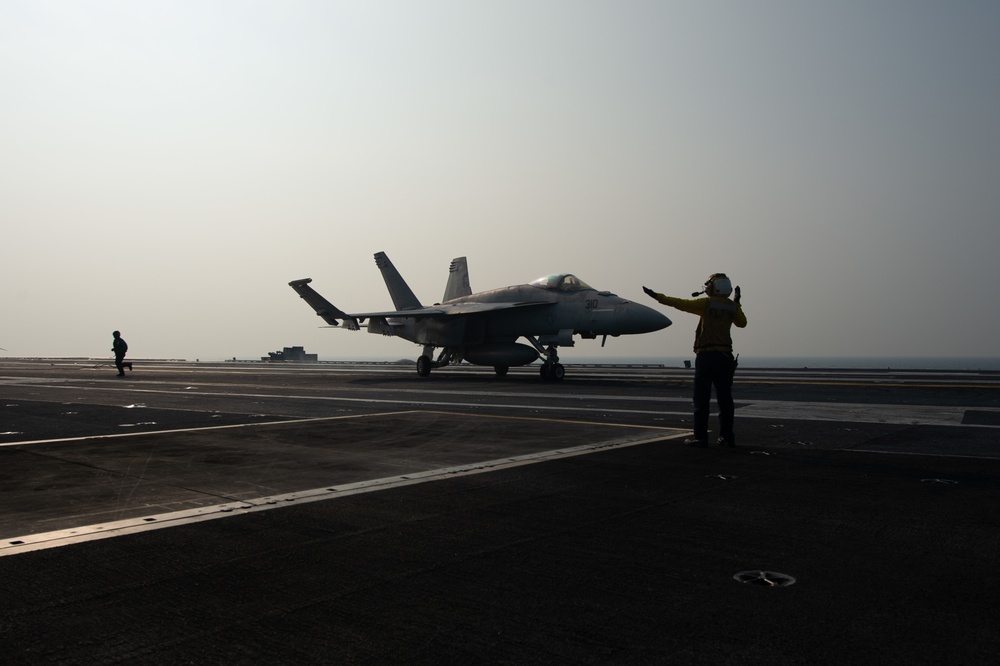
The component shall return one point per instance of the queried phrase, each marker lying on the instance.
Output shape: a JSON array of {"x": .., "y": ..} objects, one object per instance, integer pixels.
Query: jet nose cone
[{"x": 643, "y": 319}]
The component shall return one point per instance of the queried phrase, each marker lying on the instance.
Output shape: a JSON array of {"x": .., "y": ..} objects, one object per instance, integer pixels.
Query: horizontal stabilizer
[{"x": 330, "y": 313}]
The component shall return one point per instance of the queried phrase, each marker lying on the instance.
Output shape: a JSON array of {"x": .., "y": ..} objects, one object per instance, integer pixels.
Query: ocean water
[
  {"x": 965, "y": 363},
  {"x": 985, "y": 363},
  {"x": 961, "y": 363}
]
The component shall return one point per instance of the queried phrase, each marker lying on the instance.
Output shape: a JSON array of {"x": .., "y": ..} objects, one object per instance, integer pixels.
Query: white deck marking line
[
  {"x": 920, "y": 453},
  {"x": 754, "y": 409},
  {"x": 111, "y": 385},
  {"x": 854, "y": 412},
  {"x": 316, "y": 419},
  {"x": 391, "y": 401},
  {"x": 143, "y": 433},
  {"x": 59, "y": 538}
]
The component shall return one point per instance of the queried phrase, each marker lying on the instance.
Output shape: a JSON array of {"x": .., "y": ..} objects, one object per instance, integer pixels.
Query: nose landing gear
[
  {"x": 425, "y": 364},
  {"x": 552, "y": 370}
]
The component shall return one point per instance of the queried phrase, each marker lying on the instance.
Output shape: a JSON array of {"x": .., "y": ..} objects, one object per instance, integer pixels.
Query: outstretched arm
[
  {"x": 693, "y": 306},
  {"x": 661, "y": 298}
]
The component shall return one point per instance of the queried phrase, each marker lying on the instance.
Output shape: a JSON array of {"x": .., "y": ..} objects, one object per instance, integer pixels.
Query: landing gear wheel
[
  {"x": 424, "y": 366},
  {"x": 557, "y": 372},
  {"x": 501, "y": 370}
]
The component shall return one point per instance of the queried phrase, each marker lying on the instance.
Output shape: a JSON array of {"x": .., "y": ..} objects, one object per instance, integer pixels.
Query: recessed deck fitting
[{"x": 764, "y": 578}]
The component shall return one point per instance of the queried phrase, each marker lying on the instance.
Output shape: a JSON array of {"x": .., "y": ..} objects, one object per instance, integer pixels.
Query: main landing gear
[{"x": 551, "y": 369}]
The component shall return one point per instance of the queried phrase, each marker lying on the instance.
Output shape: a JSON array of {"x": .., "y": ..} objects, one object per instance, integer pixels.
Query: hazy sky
[{"x": 167, "y": 167}]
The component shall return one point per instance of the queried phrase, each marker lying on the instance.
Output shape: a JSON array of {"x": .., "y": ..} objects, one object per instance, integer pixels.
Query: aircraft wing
[
  {"x": 446, "y": 310},
  {"x": 476, "y": 308}
]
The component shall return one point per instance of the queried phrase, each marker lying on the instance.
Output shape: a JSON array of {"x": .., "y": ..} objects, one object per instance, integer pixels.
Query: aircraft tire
[
  {"x": 501, "y": 370},
  {"x": 424, "y": 366},
  {"x": 557, "y": 372}
]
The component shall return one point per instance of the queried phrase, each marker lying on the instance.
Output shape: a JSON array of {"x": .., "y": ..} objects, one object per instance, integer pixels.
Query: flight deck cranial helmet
[{"x": 718, "y": 284}]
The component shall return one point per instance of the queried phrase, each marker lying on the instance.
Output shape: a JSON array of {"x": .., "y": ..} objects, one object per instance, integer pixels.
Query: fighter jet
[{"x": 484, "y": 328}]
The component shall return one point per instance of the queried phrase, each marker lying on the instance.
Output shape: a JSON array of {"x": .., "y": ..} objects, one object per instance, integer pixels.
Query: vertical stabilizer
[
  {"x": 458, "y": 280},
  {"x": 401, "y": 294}
]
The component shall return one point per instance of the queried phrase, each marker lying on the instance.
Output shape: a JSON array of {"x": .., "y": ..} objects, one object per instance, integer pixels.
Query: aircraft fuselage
[{"x": 554, "y": 317}]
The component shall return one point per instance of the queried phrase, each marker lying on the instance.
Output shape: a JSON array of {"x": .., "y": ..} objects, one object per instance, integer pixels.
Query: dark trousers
[
  {"x": 713, "y": 369},
  {"x": 120, "y": 364}
]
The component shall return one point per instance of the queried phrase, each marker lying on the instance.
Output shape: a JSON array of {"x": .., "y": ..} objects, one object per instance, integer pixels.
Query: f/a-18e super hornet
[{"x": 483, "y": 328}]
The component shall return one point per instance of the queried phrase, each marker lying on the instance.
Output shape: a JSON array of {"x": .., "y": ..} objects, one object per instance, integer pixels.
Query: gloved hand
[
  {"x": 649, "y": 292},
  {"x": 736, "y": 298}
]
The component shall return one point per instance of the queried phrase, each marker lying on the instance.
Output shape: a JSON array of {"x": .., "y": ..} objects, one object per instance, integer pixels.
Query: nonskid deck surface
[{"x": 360, "y": 513}]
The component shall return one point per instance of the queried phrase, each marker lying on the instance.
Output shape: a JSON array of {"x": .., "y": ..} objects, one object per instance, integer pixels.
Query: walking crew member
[
  {"x": 119, "y": 347},
  {"x": 713, "y": 346}
]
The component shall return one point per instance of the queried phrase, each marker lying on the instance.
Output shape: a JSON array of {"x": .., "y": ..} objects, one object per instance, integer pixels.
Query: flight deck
[{"x": 358, "y": 513}]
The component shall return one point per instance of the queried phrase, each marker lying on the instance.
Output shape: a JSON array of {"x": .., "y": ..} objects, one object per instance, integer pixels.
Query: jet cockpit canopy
[{"x": 561, "y": 282}]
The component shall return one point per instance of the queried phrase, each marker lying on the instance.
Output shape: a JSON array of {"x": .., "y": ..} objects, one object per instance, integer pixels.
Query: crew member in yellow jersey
[{"x": 713, "y": 346}]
